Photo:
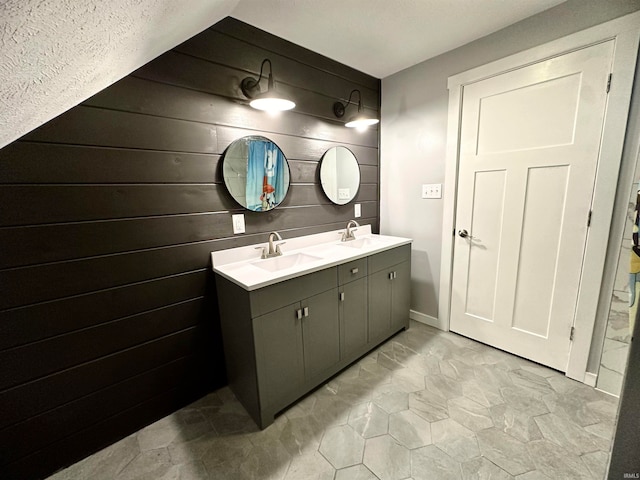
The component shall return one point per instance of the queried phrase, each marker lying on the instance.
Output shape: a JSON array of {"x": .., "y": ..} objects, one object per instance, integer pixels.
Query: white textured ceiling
[{"x": 56, "y": 53}]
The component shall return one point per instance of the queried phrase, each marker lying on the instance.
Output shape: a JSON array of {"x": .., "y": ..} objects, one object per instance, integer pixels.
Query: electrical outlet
[
  {"x": 238, "y": 223},
  {"x": 357, "y": 211},
  {"x": 432, "y": 190}
]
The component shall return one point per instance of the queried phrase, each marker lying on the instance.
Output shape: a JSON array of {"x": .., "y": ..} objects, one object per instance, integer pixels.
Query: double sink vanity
[{"x": 295, "y": 313}]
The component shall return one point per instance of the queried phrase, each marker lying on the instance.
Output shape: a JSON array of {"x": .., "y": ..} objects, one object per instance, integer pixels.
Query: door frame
[{"x": 626, "y": 35}]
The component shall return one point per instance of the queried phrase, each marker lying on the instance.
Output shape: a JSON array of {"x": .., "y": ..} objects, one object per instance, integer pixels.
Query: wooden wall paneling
[
  {"x": 222, "y": 49},
  {"x": 33, "y": 398},
  {"x": 83, "y": 125},
  {"x": 108, "y": 215},
  {"x": 368, "y": 174},
  {"x": 26, "y": 285},
  {"x": 262, "y": 236},
  {"x": 95, "y": 437},
  {"x": 37, "y": 432},
  {"x": 39, "y": 283},
  {"x": 304, "y": 171},
  {"x": 38, "y": 204},
  {"x": 23, "y": 325},
  {"x": 24, "y": 246},
  {"x": 368, "y": 192},
  {"x": 305, "y": 194},
  {"x": 297, "y": 147},
  {"x": 284, "y": 218},
  {"x": 245, "y": 32},
  {"x": 174, "y": 69},
  {"x": 152, "y": 97},
  {"x": 22, "y": 163},
  {"x": 61, "y": 352}
]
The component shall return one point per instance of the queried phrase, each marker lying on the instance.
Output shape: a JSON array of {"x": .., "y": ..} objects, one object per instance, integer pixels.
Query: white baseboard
[
  {"x": 590, "y": 379},
  {"x": 426, "y": 319}
]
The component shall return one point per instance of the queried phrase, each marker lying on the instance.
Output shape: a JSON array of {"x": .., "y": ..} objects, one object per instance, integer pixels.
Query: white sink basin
[
  {"x": 359, "y": 243},
  {"x": 276, "y": 264}
]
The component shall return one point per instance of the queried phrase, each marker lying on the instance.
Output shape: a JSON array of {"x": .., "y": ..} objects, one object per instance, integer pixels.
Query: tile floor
[
  {"x": 425, "y": 405},
  {"x": 615, "y": 350}
]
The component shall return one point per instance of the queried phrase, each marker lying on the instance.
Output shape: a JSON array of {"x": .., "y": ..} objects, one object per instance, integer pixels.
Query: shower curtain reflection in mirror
[
  {"x": 256, "y": 173},
  {"x": 266, "y": 182}
]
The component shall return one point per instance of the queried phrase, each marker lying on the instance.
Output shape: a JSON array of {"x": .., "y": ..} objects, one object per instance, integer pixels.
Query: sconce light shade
[
  {"x": 270, "y": 100},
  {"x": 360, "y": 120}
]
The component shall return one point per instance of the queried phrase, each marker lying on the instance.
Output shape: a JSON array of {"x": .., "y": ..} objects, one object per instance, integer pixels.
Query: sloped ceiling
[
  {"x": 56, "y": 53},
  {"x": 382, "y": 37}
]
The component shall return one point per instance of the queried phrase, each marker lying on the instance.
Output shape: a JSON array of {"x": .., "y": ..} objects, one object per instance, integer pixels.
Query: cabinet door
[
  {"x": 321, "y": 333},
  {"x": 353, "y": 316},
  {"x": 279, "y": 358},
  {"x": 379, "y": 305},
  {"x": 400, "y": 296}
]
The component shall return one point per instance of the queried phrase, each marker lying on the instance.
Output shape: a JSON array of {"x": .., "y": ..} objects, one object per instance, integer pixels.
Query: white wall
[{"x": 414, "y": 130}]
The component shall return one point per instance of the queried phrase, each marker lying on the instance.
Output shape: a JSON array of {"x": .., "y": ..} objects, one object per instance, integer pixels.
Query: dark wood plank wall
[{"x": 108, "y": 213}]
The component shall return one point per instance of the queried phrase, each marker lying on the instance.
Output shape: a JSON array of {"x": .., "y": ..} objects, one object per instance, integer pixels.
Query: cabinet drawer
[
  {"x": 352, "y": 271},
  {"x": 270, "y": 298},
  {"x": 385, "y": 259}
]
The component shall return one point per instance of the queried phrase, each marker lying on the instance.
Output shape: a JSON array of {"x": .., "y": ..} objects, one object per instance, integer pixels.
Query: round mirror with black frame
[
  {"x": 256, "y": 173},
  {"x": 340, "y": 175}
]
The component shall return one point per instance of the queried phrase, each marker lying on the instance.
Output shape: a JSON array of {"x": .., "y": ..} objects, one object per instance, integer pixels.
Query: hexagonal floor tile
[
  {"x": 342, "y": 446},
  {"x": 369, "y": 420},
  {"x": 430, "y": 462},
  {"x": 386, "y": 458},
  {"x": 410, "y": 429},
  {"x": 470, "y": 414},
  {"x": 480, "y": 467},
  {"x": 357, "y": 472},
  {"x": 457, "y": 441},
  {"x": 505, "y": 451}
]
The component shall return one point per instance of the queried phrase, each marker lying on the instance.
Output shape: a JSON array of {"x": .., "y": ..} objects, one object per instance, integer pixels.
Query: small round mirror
[
  {"x": 256, "y": 173},
  {"x": 340, "y": 175}
]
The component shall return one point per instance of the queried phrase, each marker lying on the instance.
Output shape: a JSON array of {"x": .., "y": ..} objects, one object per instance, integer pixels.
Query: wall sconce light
[
  {"x": 360, "y": 120},
  {"x": 270, "y": 100}
]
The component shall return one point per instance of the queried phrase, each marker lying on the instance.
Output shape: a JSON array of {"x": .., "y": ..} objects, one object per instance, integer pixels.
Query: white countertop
[{"x": 300, "y": 255}]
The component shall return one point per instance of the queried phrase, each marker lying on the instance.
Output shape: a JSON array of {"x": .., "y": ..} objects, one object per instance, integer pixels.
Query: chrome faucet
[
  {"x": 272, "y": 250},
  {"x": 348, "y": 234}
]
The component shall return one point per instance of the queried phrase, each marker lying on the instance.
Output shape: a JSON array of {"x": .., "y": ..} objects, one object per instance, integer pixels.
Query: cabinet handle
[
  {"x": 342, "y": 296},
  {"x": 354, "y": 271},
  {"x": 306, "y": 311},
  {"x": 299, "y": 313},
  {"x": 395, "y": 275},
  {"x": 390, "y": 275}
]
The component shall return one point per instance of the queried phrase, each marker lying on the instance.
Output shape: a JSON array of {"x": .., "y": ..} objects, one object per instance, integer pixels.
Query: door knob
[{"x": 464, "y": 234}]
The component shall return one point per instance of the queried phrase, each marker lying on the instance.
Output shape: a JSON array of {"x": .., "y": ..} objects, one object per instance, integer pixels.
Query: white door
[{"x": 529, "y": 147}]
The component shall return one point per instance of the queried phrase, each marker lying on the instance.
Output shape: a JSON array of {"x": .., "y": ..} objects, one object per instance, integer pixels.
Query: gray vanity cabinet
[
  {"x": 283, "y": 340},
  {"x": 278, "y": 350},
  {"x": 352, "y": 279},
  {"x": 279, "y": 341},
  {"x": 320, "y": 334},
  {"x": 389, "y": 290},
  {"x": 294, "y": 346}
]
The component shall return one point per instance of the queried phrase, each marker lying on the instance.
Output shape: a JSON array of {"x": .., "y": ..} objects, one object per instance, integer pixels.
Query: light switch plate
[
  {"x": 432, "y": 190},
  {"x": 357, "y": 212},
  {"x": 344, "y": 194},
  {"x": 238, "y": 223}
]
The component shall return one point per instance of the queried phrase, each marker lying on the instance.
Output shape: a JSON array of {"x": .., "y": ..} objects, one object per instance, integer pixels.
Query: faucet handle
[
  {"x": 278, "y": 251},
  {"x": 264, "y": 251}
]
